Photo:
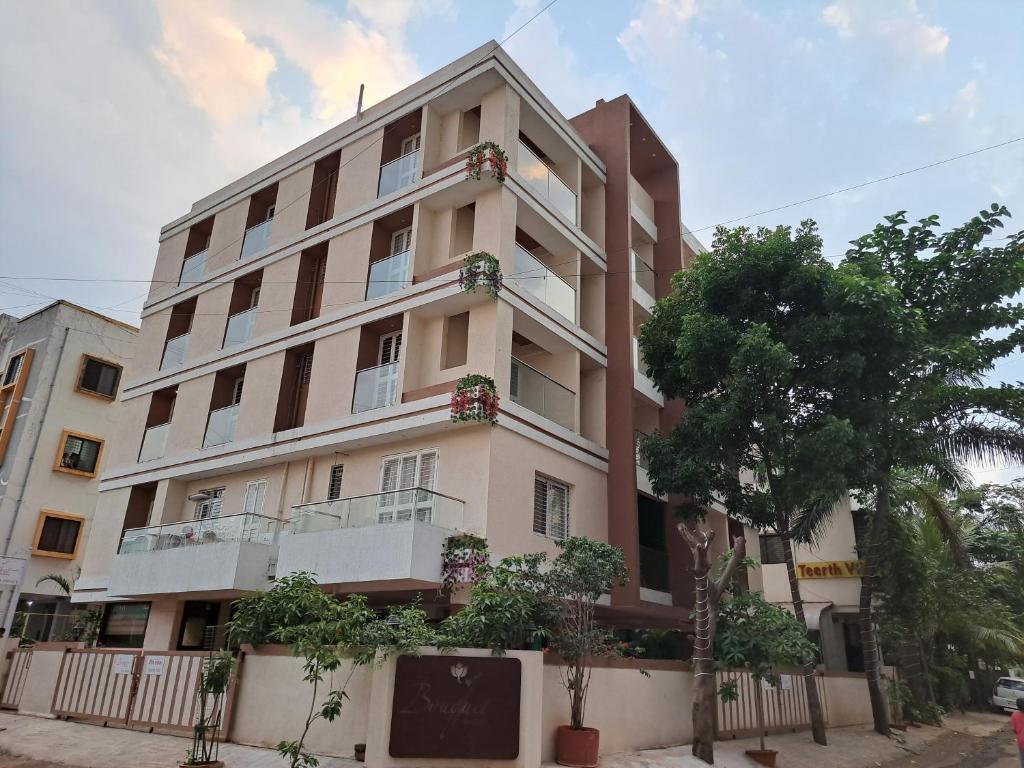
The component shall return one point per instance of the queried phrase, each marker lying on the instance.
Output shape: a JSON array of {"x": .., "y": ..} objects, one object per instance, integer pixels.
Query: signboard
[
  {"x": 785, "y": 684},
  {"x": 123, "y": 663},
  {"x": 456, "y": 707},
  {"x": 12, "y": 569},
  {"x": 836, "y": 569},
  {"x": 155, "y": 665}
]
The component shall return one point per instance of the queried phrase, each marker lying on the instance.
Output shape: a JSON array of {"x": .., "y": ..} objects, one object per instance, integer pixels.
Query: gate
[
  {"x": 17, "y": 673},
  {"x": 785, "y": 707},
  {"x": 155, "y": 690}
]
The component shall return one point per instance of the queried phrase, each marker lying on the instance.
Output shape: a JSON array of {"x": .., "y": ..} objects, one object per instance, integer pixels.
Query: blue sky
[{"x": 115, "y": 116}]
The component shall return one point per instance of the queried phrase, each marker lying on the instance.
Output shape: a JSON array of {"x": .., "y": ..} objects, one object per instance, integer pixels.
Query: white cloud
[
  {"x": 898, "y": 26},
  {"x": 924, "y": 118},
  {"x": 965, "y": 105}
]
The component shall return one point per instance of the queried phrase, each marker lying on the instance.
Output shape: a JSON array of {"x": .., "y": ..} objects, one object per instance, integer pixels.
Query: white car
[{"x": 1006, "y": 691}]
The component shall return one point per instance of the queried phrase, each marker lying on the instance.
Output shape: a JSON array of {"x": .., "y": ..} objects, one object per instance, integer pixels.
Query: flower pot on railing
[
  {"x": 475, "y": 399},
  {"x": 480, "y": 270},
  {"x": 577, "y": 747},
  {"x": 487, "y": 157},
  {"x": 464, "y": 561}
]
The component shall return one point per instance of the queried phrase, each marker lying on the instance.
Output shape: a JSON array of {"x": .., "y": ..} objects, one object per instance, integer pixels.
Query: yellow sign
[{"x": 837, "y": 569}]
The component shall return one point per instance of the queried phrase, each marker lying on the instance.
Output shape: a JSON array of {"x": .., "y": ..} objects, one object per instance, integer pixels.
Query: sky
[{"x": 115, "y": 116}]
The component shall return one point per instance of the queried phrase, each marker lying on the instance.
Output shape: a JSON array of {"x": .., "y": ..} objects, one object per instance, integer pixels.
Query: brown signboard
[{"x": 456, "y": 707}]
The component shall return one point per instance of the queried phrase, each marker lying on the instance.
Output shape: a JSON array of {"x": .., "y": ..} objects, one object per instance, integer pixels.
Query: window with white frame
[
  {"x": 255, "y": 497},
  {"x": 406, "y": 485},
  {"x": 550, "y": 508},
  {"x": 211, "y": 505},
  {"x": 334, "y": 485}
]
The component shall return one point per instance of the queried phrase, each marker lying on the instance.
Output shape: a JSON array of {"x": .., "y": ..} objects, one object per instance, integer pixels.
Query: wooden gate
[
  {"x": 17, "y": 673},
  {"x": 785, "y": 707},
  {"x": 155, "y": 690}
]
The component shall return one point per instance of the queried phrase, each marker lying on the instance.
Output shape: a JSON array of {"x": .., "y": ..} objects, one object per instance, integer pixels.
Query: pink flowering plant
[
  {"x": 480, "y": 269},
  {"x": 464, "y": 561},
  {"x": 475, "y": 398},
  {"x": 492, "y": 156}
]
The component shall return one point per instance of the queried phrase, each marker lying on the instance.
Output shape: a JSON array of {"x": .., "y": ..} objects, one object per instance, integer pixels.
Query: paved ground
[{"x": 968, "y": 741}]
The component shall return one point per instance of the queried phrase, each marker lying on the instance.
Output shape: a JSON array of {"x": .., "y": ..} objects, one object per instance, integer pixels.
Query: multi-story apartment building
[
  {"x": 289, "y": 405},
  {"x": 61, "y": 374}
]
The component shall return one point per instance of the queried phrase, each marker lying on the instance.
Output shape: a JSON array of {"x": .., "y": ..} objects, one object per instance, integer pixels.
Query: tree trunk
[
  {"x": 912, "y": 671},
  {"x": 810, "y": 683},
  {"x": 868, "y": 636}
]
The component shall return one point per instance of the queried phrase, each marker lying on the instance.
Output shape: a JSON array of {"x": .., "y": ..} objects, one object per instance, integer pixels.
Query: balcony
[
  {"x": 376, "y": 387},
  {"x": 533, "y": 390},
  {"x": 154, "y": 442},
  {"x": 389, "y": 275},
  {"x": 220, "y": 428},
  {"x": 643, "y": 283},
  {"x": 539, "y": 176},
  {"x": 395, "y": 538},
  {"x": 531, "y": 276},
  {"x": 399, "y": 173},
  {"x": 239, "y": 327},
  {"x": 231, "y": 553},
  {"x": 193, "y": 268},
  {"x": 654, "y": 569},
  {"x": 174, "y": 352},
  {"x": 256, "y": 239},
  {"x": 640, "y": 460}
]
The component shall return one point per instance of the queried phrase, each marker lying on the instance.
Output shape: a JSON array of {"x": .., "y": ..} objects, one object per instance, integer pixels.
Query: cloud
[
  {"x": 965, "y": 105},
  {"x": 899, "y": 27}
]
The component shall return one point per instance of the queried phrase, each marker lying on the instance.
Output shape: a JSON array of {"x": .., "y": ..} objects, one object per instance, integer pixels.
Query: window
[
  {"x": 550, "y": 508},
  {"x": 211, "y": 506},
  {"x": 57, "y": 534},
  {"x": 772, "y": 551},
  {"x": 14, "y": 368},
  {"x": 406, "y": 484},
  {"x": 236, "y": 390},
  {"x": 255, "y": 496},
  {"x": 99, "y": 377},
  {"x": 334, "y": 486},
  {"x": 78, "y": 454},
  {"x": 124, "y": 625}
]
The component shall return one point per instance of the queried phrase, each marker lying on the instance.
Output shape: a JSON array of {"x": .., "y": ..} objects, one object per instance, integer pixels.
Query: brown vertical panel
[
  {"x": 184, "y": 698},
  {"x": 60, "y": 674},
  {"x": 174, "y": 692},
  {"x": 100, "y": 664},
  {"x": 195, "y": 696}
]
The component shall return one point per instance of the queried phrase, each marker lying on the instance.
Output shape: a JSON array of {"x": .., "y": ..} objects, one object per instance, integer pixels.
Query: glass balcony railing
[
  {"x": 174, "y": 352},
  {"x": 399, "y": 173},
  {"x": 256, "y": 238},
  {"x": 376, "y": 388},
  {"x": 546, "y": 181},
  {"x": 378, "y": 509},
  {"x": 643, "y": 275},
  {"x": 193, "y": 268},
  {"x": 654, "y": 569},
  {"x": 638, "y": 360},
  {"x": 239, "y": 327},
  {"x": 220, "y": 428},
  {"x": 529, "y": 274},
  {"x": 211, "y": 530},
  {"x": 389, "y": 275},
  {"x": 154, "y": 442},
  {"x": 532, "y": 389},
  {"x": 640, "y": 460}
]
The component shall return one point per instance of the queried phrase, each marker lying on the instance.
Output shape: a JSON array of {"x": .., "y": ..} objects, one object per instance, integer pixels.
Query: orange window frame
[
  {"x": 64, "y": 435},
  {"x": 43, "y": 515}
]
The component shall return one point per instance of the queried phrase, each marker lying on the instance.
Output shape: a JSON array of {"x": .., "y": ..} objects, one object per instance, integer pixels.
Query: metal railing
[
  {"x": 643, "y": 275},
  {"x": 174, "y": 352},
  {"x": 532, "y": 389},
  {"x": 399, "y": 173},
  {"x": 389, "y": 275},
  {"x": 546, "y": 181},
  {"x": 220, "y": 428},
  {"x": 378, "y": 509},
  {"x": 654, "y": 569},
  {"x": 193, "y": 267},
  {"x": 256, "y": 238},
  {"x": 530, "y": 274},
  {"x": 154, "y": 442},
  {"x": 250, "y": 527},
  {"x": 376, "y": 387},
  {"x": 239, "y": 327}
]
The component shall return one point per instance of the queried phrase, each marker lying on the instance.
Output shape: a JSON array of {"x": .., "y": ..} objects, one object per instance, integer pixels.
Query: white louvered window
[
  {"x": 255, "y": 497},
  {"x": 211, "y": 506},
  {"x": 550, "y": 508},
  {"x": 334, "y": 486},
  {"x": 401, "y": 241},
  {"x": 406, "y": 482},
  {"x": 236, "y": 390}
]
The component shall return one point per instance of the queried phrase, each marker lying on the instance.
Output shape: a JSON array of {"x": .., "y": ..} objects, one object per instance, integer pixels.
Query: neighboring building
[
  {"x": 61, "y": 374},
  {"x": 289, "y": 404}
]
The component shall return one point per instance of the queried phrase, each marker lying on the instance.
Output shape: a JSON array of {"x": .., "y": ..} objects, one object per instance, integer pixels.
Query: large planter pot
[
  {"x": 577, "y": 748},
  {"x": 211, "y": 764},
  {"x": 762, "y": 756}
]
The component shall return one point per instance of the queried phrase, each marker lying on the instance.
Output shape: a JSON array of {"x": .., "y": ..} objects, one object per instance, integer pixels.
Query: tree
[
  {"x": 921, "y": 401},
  {"x": 760, "y": 342}
]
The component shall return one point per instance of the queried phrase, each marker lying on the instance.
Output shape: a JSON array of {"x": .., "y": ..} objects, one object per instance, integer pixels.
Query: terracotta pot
[
  {"x": 577, "y": 748},
  {"x": 360, "y": 752},
  {"x": 762, "y": 756}
]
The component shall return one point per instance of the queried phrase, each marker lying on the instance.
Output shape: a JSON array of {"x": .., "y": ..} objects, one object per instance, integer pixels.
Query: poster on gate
[
  {"x": 123, "y": 663},
  {"x": 155, "y": 665}
]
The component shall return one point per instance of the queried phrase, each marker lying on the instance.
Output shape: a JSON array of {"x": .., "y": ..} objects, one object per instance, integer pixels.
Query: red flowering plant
[
  {"x": 475, "y": 399},
  {"x": 481, "y": 269},
  {"x": 492, "y": 155},
  {"x": 464, "y": 561}
]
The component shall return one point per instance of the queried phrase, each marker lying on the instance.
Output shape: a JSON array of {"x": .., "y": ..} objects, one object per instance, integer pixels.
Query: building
[
  {"x": 289, "y": 406},
  {"x": 61, "y": 375}
]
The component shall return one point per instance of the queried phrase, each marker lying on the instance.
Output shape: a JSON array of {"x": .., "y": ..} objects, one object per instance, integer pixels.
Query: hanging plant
[
  {"x": 490, "y": 153},
  {"x": 464, "y": 560},
  {"x": 475, "y": 399},
  {"x": 481, "y": 269}
]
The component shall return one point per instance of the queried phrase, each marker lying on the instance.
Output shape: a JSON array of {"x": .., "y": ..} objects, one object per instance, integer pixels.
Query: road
[{"x": 963, "y": 750}]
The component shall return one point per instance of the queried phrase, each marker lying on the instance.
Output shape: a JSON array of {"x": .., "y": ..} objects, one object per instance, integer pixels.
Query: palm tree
[{"x": 60, "y": 581}]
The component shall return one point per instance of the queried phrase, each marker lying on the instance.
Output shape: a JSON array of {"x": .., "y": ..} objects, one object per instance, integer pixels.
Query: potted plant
[
  {"x": 481, "y": 269},
  {"x": 761, "y": 637},
  {"x": 214, "y": 679},
  {"x": 475, "y": 398},
  {"x": 489, "y": 153},
  {"x": 583, "y": 571}
]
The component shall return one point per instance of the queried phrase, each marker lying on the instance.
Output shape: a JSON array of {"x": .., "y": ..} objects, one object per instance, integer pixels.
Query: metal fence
[
  {"x": 785, "y": 705},
  {"x": 17, "y": 673}
]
